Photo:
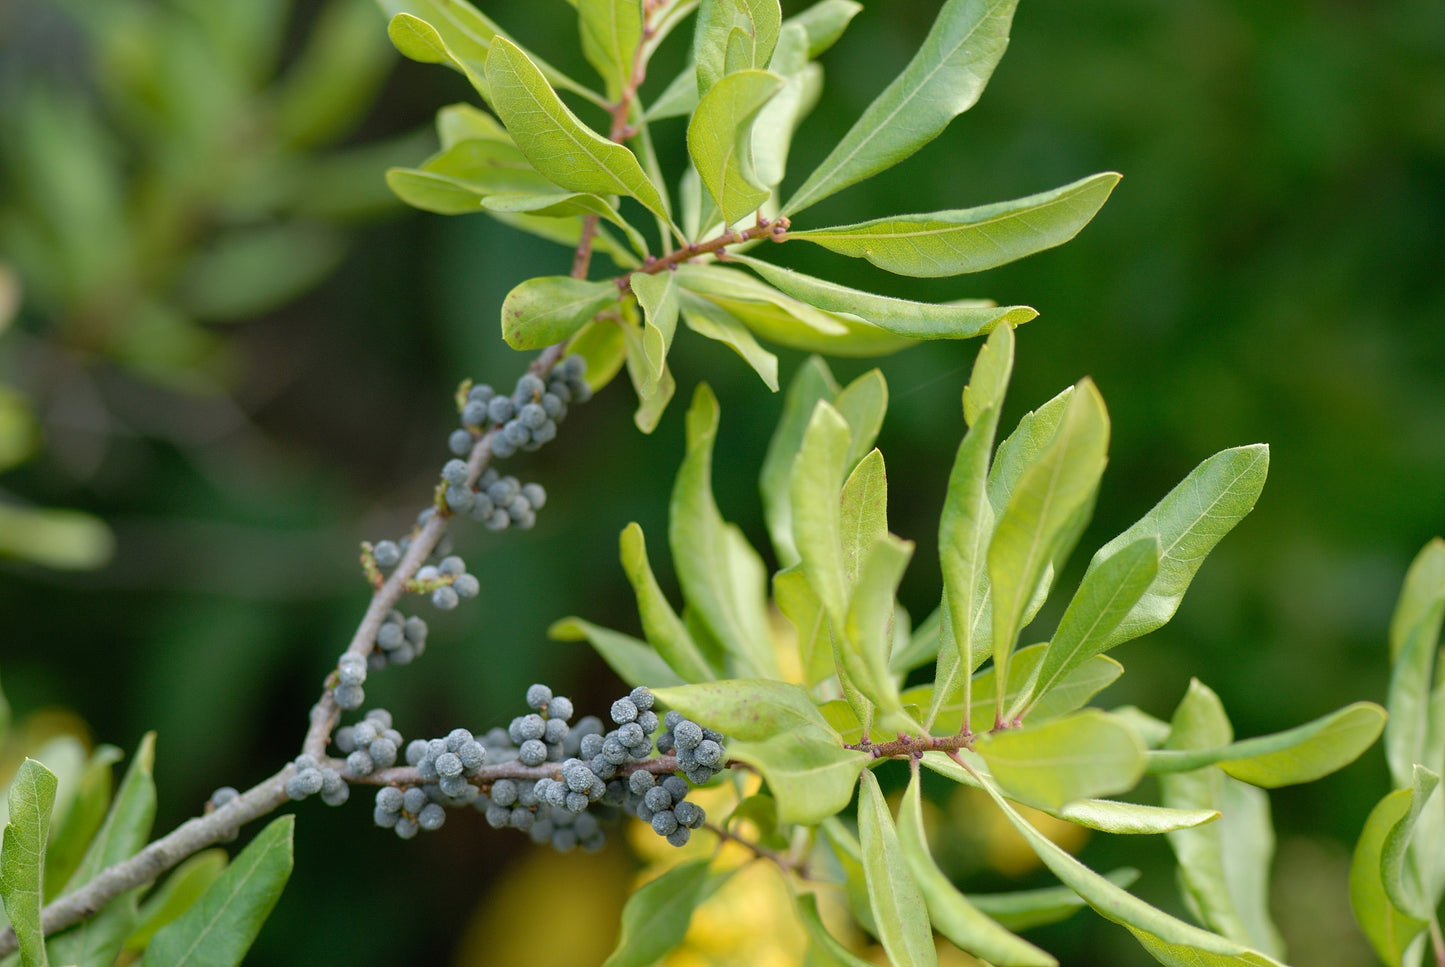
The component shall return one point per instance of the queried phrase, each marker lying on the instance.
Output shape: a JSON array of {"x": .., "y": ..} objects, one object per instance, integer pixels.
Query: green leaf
[
  {"x": 463, "y": 122},
  {"x": 554, "y": 140},
  {"x": 1301, "y": 754},
  {"x": 22, "y": 857},
  {"x": 75, "y": 832},
  {"x": 1169, "y": 940},
  {"x": 811, "y": 383},
  {"x": 799, "y": 603},
  {"x": 1107, "y": 593},
  {"x": 174, "y": 897},
  {"x": 1127, "y": 818},
  {"x": 966, "y": 524},
  {"x": 721, "y": 575},
  {"x": 772, "y": 132},
  {"x": 751, "y": 710},
  {"x": 332, "y": 82},
  {"x": 951, "y": 913},
  {"x": 128, "y": 824},
  {"x": 439, "y": 194},
  {"x": 611, "y": 32},
  {"x": 869, "y": 629},
  {"x": 863, "y": 513},
  {"x": 633, "y": 661},
  {"x": 863, "y": 403},
  {"x": 898, "y": 904},
  {"x": 707, "y": 318},
  {"x": 1037, "y": 522},
  {"x": 1401, "y": 880},
  {"x": 221, "y": 926},
  {"x": 652, "y": 395},
  {"x": 1189, "y": 521},
  {"x": 657, "y": 295},
  {"x": 1389, "y": 929},
  {"x": 902, "y": 317},
  {"x": 817, "y": 482},
  {"x": 663, "y": 628},
  {"x": 548, "y": 309},
  {"x": 1414, "y": 635},
  {"x": 720, "y": 142},
  {"x": 825, "y": 948},
  {"x": 757, "y": 23},
  {"x": 1422, "y": 593},
  {"x": 809, "y": 776},
  {"x": 1023, "y": 909},
  {"x": 656, "y": 917},
  {"x": 944, "y": 79},
  {"x": 849, "y": 855},
  {"x": 1224, "y": 866},
  {"x": 936, "y": 244},
  {"x": 824, "y": 22},
  {"x": 1083, "y": 755},
  {"x": 679, "y": 99},
  {"x": 1071, "y": 693},
  {"x": 565, "y": 205},
  {"x": 601, "y": 345},
  {"x": 922, "y": 647}
]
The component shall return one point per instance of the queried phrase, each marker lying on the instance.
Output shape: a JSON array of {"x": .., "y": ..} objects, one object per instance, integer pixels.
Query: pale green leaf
[
  {"x": 663, "y": 628},
  {"x": 556, "y": 204},
  {"x": 898, "y": 904},
  {"x": 653, "y": 395},
  {"x": 936, "y": 244},
  {"x": 799, "y": 603},
  {"x": 1189, "y": 521},
  {"x": 750, "y": 710},
  {"x": 944, "y": 79},
  {"x": 811, "y": 383},
  {"x": 720, "y": 142},
  {"x": 1084, "y": 755},
  {"x": 1414, "y": 636},
  {"x": 456, "y": 123},
  {"x": 863, "y": 403},
  {"x": 849, "y": 854},
  {"x": 1107, "y": 593},
  {"x": 810, "y": 777},
  {"x": 869, "y": 632},
  {"x": 678, "y": 99},
  {"x": 863, "y": 513},
  {"x": 950, "y": 912},
  {"x": 73, "y": 833},
  {"x": 1424, "y": 588},
  {"x": 1023, "y": 909},
  {"x": 1041, "y": 511},
  {"x": 902, "y": 317},
  {"x": 721, "y": 576},
  {"x": 1071, "y": 693},
  {"x": 1169, "y": 940},
  {"x": 611, "y": 31},
  {"x": 1389, "y": 929},
  {"x": 633, "y": 661},
  {"x": 1127, "y": 818},
  {"x": 1401, "y": 879},
  {"x": 817, "y": 482},
  {"x": 656, "y": 917},
  {"x": 128, "y": 824},
  {"x": 554, "y": 140},
  {"x": 824, "y": 22},
  {"x": 708, "y": 319},
  {"x": 22, "y": 857},
  {"x": 922, "y": 647},
  {"x": 826, "y": 949},
  {"x": 657, "y": 295},
  {"x": 756, "y": 23},
  {"x": 550, "y": 308},
  {"x": 772, "y": 132},
  {"x": 221, "y": 926},
  {"x": 600, "y": 344},
  {"x": 439, "y": 194},
  {"x": 176, "y": 895},
  {"x": 1021, "y": 448}
]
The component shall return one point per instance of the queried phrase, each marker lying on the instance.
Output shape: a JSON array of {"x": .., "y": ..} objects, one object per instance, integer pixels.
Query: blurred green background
[{"x": 234, "y": 350}]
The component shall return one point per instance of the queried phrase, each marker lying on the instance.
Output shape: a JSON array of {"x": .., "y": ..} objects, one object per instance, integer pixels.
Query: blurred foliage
[{"x": 1267, "y": 271}]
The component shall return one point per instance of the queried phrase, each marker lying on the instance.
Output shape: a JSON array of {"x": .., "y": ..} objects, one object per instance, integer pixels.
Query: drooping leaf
[
  {"x": 1189, "y": 521},
  {"x": 663, "y": 628},
  {"x": 556, "y": 204},
  {"x": 719, "y": 140},
  {"x": 550, "y": 308},
  {"x": 1023, "y": 909},
  {"x": 1080, "y": 756},
  {"x": 809, "y": 776},
  {"x": 221, "y": 926},
  {"x": 944, "y": 79},
  {"x": 611, "y": 31},
  {"x": 811, "y": 383},
  {"x": 1038, "y": 522},
  {"x": 657, "y": 295},
  {"x": 949, "y": 910},
  {"x": 554, "y": 140},
  {"x": 1301, "y": 754},
  {"x": 751, "y": 710},
  {"x": 1169, "y": 940},
  {"x": 633, "y": 661},
  {"x": 721, "y": 575},
  {"x": 824, "y": 22},
  {"x": 1401, "y": 880},
  {"x": 902, "y": 317},
  {"x": 656, "y": 917},
  {"x": 1107, "y": 593},
  {"x": 22, "y": 857},
  {"x": 893, "y": 893},
  {"x": 1389, "y": 929},
  {"x": 707, "y": 318}
]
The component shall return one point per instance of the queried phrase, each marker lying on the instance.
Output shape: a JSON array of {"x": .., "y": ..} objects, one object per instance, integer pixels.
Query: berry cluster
[
  {"x": 399, "y": 641},
  {"x": 370, "y": 744},
  {"x": 499, "y": 502},
  {"x": 528, "y": 418},
  {"x": 444, "y": 766},
  {"x": 311, "y": 777}
]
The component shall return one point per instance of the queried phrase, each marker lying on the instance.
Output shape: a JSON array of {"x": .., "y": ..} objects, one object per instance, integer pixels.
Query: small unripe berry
[
  {"x": 389, "y": 798},
  {"x": 413, "y": 799},
  {"x": 679, "y": 836},
  {"x": 349, "y": 696},
  {"x": 460, "y": 442},
  {"x": 444, "y": 598},
  {"x": 383, "y": 752},
  {"x": 641, "y": 781},
  {"x": 405, "y": 828},
  {"x": 431, "y": 817},
  {"x": 687, "y": 734},
  {"x": 387, "y": 554},
  {"x": 459, "y": 499},
  {"x": 500, "y": 409},
  {"x": 532, "y": 752},
  {"x": 388, "y": 636},
  {"x": 560, "y": 708},
  {"x": 359, "y": 763},
  {"x": 677, "y": 787},
  {"x": 664, "y": 823},
  {"x": 351, "y": 669},
  {"x": 475, "y": 413},
  {"x": 538, "y": 696},
  {"x": 455, "y": 472},
  {"x": 449, "y": 764}
]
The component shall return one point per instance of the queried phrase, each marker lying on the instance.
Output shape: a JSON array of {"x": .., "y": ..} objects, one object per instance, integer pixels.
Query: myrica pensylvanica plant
[{"x": 819, "y": 715}]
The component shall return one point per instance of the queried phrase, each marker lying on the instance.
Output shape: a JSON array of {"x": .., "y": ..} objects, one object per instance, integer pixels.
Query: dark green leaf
[
  {"x": 174, "y": 897},
  {"x": 22, "y": 857},
  {"x": 221, "y": 926},
  {"x": 944, "y": 79},
  {"x": 935, "y": 244}
]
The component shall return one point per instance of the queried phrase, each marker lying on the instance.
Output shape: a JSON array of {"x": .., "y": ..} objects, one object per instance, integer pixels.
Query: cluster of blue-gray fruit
[
  {"x": 499, "y": 502},
  {"x": 399, "y": 641},
  {"x": 528, "y": 418}
]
